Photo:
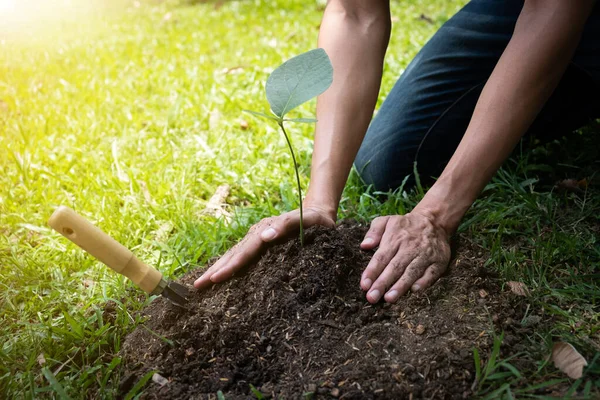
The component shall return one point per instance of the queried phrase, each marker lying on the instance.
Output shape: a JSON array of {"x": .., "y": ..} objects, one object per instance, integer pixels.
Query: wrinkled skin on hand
[
  {"x": 413, "y": 253},
  {"x": 259, "y": 238}
]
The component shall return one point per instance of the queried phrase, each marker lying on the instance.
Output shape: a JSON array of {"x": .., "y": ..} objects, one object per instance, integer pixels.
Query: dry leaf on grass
[
  {"x": 214, "y": 118},
  {"x": 568, "y": 360},
  {"x": 233, "y": 70},
  {"x": 41, "y": 359},
  {"x": 89, "y": 283},
  {"x": 122, "y": 175},
  {"x": 518, "y": 288},
  {"x": 147, "y": 196},
  {"x": 164, "y": 231},
  {"x": 218, "y": 201},
  {"x": 573, "y": 185}
]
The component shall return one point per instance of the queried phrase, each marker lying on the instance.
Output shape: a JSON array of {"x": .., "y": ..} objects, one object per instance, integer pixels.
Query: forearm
[
  {"x": 355, "y": 35},
  {"x": 543, "y": 43}
]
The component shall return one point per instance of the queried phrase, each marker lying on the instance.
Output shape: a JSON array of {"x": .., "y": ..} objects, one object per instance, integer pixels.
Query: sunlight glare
[
  {"x": 7, "y": 6},
  {"x": 31, "y": 17}
]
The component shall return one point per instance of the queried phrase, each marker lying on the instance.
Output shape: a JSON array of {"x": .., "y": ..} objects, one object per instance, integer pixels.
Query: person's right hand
[{"x": 259, "y": 237}]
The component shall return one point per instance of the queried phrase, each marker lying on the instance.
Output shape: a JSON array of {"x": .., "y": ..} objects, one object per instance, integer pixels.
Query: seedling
[{"x": 295, "y": 82}]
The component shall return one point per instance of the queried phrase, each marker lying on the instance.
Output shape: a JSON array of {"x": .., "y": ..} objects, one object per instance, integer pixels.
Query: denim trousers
[{"x": 426, "y": 113}]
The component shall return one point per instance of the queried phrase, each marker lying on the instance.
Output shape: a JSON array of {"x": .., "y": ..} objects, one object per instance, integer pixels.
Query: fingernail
[
  {"x": 199, "y": 281},
  {"x": 366, "y": 284},
  {"x": 391, "y": 296},
  {"x": 416, "y": 288},
  {"x": 268, "y": 234},
  {"x": 375, "y": 295},
  {"x": 368, "y": 241}
]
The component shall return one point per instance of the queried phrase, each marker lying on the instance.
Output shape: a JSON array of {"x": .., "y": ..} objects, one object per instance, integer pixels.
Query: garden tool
[{"x": 116, "y": 256}]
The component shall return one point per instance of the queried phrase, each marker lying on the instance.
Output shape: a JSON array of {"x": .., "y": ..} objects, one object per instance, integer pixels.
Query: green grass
[{"x": 131, "y": 115}]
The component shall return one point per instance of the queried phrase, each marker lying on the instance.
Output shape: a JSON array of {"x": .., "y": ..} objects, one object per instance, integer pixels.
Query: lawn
[{"x": 130, "y": 113}]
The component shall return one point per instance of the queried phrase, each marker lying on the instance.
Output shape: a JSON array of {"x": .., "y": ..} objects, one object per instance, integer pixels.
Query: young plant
[{"x": 293, "y": 83}]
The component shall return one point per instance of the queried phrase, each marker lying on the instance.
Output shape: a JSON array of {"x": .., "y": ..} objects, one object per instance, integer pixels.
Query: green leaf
[
  {"x": 491, "y": 364},
  {"x": 56, "y": 386},
  {"x": 77, "y": 329},
  {"x": 302, "y": 120},
  {"x": 308, "y": 395},
  {"x": 496, "y": 393},
  {"x": 139, "y": 385},
  {"x": 587, "y": 390},
  {"x": 418, "y": 180},
  {"x": 257, "y": 393},
  {"x": 107, "y": 374},
  {"x": 529, "y": 182},
  {"x": 220, "y": 395},
  {"x": 543, "y": 385},
  {"x": 164, "y": 339},
  {"x": 298, "y": 80},
  {"x": 262, "y": 115},
  {"x": 499, "y": 375},
  {"x": 512, "y": 369},
  {"x": 477, "y": 360}
]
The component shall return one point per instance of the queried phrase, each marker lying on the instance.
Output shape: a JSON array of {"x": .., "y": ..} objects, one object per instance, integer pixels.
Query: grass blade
[
  {"x": 139, "y": 385},
  {"x": 477, "y": 360},
  {"x": 56, "y": 386}
]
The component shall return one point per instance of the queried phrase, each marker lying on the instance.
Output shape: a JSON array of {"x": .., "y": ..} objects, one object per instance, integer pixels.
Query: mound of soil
[{"x": 297, "y": 325}]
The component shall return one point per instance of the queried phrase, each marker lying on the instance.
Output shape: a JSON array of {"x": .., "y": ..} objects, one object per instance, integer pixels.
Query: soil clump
[{"x": 297, "y": 325}]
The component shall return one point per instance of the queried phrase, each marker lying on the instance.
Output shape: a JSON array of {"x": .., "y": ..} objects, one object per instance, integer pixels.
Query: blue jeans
[{"x": 427, "y": 112}]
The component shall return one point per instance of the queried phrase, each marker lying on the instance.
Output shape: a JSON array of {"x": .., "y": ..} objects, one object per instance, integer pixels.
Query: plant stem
[{"x": 297, "y": 181}]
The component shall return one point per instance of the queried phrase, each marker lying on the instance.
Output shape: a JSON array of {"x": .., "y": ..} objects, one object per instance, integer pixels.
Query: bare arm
[
  {"x": 355, "y": 34},
  {"x": 545, "y": 38}
]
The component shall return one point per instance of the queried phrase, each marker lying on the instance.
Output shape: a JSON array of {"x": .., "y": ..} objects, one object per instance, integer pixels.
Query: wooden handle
[{"x": 106, "y": 249}]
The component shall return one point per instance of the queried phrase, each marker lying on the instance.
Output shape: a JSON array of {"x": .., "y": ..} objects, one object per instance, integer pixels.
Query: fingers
[
  {"x": 204, "y": 280},
  {"x": 389, "y": 272},
  {"x": 238, "y": 261},
  {"x": 432, "y": 274},
  {"x": 402, "y": 285},
  {"x": 413, "y": 252},
  {"x": 236, "y": 258},
  {"x": 289, "y": 223},
  {"x": 380, "y": 260},
  {"x": 397, "y": 278},
  {"x": 375, "y": 233},
  {"x": 256, "y": 241},
  {"x": 280, "y": 226}
]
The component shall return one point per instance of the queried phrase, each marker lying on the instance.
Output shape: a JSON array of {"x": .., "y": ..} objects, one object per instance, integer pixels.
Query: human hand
[
  {"x": 413, "y": 253},
  {"x": 258, "y": 239}
]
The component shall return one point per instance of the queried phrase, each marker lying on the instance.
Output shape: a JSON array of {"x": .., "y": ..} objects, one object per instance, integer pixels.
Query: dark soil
[{"x": 297, "y": 323}]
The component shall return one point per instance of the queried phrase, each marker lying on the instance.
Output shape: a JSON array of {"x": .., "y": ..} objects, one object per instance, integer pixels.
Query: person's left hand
[{"x": 413, "y": 253}]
